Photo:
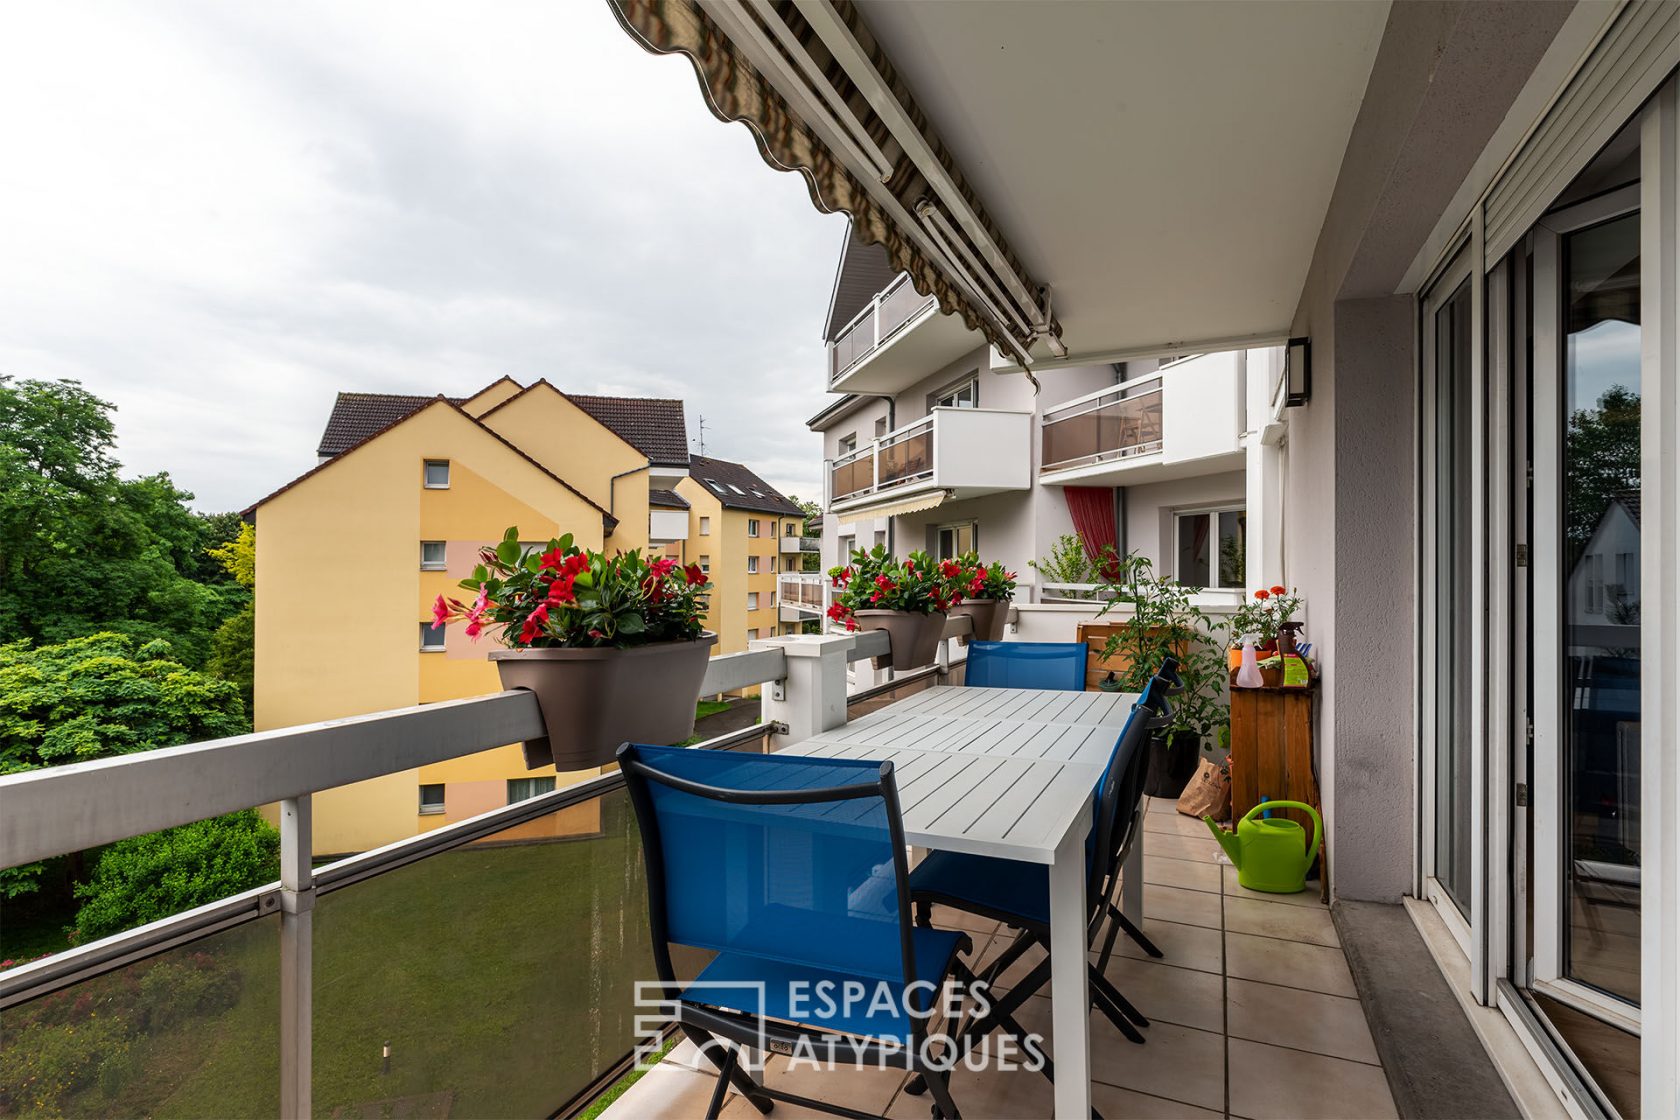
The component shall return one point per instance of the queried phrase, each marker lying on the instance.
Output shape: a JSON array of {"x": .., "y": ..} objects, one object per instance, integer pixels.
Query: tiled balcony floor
[{"x": 1252, "y": 1014}]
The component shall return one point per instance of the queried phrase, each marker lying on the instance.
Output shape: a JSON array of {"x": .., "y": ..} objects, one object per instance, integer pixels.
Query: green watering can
[{"x": 1271, "y": 854}]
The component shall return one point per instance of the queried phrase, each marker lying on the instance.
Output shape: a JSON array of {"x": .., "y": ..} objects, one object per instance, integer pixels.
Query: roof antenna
[{"x": 700, "y": 422}]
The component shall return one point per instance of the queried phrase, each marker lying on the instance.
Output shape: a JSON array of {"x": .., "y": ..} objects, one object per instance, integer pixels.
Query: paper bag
[{"x": 1208, "y": 794}]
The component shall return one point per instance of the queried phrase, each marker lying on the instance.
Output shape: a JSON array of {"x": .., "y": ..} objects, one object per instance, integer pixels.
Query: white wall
[{"x": 1150, "y": 509}]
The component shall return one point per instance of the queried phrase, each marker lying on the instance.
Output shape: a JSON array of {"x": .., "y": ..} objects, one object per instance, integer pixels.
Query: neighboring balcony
[
  {"x": 801, "y": 544},
  {"x": 1182, "y": 420},
  {"x": 900, "y": 338},
  {"x": 948, "y": 455},
  {"x": 666, "y": 526},
  {"x": 801, "y": 596}
]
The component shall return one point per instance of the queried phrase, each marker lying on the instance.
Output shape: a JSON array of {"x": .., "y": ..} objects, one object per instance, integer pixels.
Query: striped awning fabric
[{"x": 892, "y": 211}]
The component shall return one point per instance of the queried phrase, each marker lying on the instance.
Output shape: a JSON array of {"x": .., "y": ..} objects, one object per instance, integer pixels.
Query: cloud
[{"x": 219, "y": 216}]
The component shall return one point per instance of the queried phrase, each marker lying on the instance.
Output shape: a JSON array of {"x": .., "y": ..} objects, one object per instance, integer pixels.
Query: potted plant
[
  {"x": 1164, "y": 621},
  {"x": 905, "y": 598},
  {"x": 983, "y": 592},
  {"x": 1259, "y": 621},
  {"x": 614, "y": 647}
]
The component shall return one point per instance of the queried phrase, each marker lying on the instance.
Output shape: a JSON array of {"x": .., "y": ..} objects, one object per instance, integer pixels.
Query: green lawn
[
  {"x": 501, "y": 977},
  {"x": 705, "y": 708}
]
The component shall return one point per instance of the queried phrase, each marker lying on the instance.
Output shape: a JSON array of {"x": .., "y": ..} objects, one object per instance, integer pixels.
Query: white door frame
[
  {"x": 1454, "y": 276},
  {"x": 1547, "y": 798}
]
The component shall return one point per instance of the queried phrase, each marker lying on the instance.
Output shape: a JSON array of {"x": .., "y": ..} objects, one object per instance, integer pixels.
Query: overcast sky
[{"x": 216, "y": 216}]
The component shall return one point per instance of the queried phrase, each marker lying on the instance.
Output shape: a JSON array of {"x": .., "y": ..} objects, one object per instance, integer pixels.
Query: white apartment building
[{"x": 933, "y": 441}]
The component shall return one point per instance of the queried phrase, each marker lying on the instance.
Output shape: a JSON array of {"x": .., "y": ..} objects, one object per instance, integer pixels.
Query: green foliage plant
[
  {"x": 876, "y": 580},
  {"x": 1163, "y": 620},
  {"x": 967, "y": 577},
  {"x": 561, "y": 596}
]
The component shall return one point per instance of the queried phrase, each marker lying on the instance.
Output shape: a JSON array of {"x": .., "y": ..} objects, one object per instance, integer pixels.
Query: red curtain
[{"x": 1092, "y": 508}]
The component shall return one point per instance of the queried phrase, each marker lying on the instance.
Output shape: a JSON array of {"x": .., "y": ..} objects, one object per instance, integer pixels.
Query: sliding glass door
[{"x": 1586, "y": 606}]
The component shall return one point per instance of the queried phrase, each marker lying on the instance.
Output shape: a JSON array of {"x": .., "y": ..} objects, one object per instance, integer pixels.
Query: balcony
[
  {"x": 801, "y": 596},
  {"x": 666, "y": 526},
  {"x": 948, "y": 455},
  {"x": 1184, "y": 419},
  {"x": 894, "y": 342},
  {"x": 801, "y": 544}
]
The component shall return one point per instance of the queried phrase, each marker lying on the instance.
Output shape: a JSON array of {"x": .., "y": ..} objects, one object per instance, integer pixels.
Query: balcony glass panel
[
  {"x": 910, "y": 457},
  {"x": 1129, "y": 426},
  {"x": 500, "y": 973},
  {"x": 852, "y": 478},
  {"x": 193, "y": 1031}
]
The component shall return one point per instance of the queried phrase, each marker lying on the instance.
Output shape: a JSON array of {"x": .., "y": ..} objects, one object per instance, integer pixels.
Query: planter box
[
  {"x": 989, "y": 617},
  {"x": 594, "y": 699},
  {"x": 915, "y": 637}
]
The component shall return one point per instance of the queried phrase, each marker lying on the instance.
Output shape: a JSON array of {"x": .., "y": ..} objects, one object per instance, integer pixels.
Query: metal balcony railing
[
  {"x": 804, "y": 590},
  {"x": 388, "y": 982},
  {"x": 902, "y": 456},
  {"x": 872, "y": 327},
  {"x": 1113, "y": 423}
]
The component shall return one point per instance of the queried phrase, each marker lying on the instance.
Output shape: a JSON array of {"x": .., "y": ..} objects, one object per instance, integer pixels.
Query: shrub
[{"x": 876, "y": 580}]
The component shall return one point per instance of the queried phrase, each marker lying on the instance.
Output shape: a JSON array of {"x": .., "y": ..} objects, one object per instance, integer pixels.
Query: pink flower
[
  {"x": 440, "y": 613},
  {"x": 474, "y": 629},
  {"x": 662, "y": 567}
]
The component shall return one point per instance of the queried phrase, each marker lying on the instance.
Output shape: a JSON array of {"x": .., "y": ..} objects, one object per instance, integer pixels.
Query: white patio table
[{"x": 1007, "y": 772}]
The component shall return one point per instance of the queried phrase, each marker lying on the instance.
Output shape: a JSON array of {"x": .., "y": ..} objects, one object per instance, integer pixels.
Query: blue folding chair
[
  {"x": 793, "y": 871},
  {"x": 1059, "y": 665}
]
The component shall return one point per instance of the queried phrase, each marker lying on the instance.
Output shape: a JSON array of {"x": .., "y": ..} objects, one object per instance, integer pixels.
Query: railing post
[
  {"x": 811, "y": 699},
  {"x": 297, "y": 905},
  {"x": 874, "y": 465}
]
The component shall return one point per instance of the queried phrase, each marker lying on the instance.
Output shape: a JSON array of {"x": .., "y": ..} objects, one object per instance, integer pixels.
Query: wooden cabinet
[{"x": 1272, "y": 753}]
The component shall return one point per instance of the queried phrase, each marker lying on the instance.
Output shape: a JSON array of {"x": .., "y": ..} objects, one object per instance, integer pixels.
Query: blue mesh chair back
[
  {"x": 1123, "y": 782},
  {"x": 1058, "y": 665},
  {"x": 814, "y": 879}
]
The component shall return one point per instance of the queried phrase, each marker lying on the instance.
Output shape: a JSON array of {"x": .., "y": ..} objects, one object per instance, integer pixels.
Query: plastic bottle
[{"x": 1248, "y": 673}]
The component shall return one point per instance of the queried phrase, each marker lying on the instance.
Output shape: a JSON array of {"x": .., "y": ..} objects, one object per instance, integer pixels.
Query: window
[
  {"x": 752, "y": 600},
  {"x": 880, "y": 427},
  {"x": 437, "y": 474},
  {"x": 752, "y": 526},
  {"x": 772, "y": 563},
  {"x": 752, "y": 565},
  {"x": 716, "y": 486},
  {"x": 431, "y": 799},
  {"x": 705, "y": 526},
  {"x": 881, "y": 537},
  {"x": 752, "y": 635},
  {"x": 431, "y": 637},
  {"x": 523, "y": 789},
  {"x": 848, "y": 443},
  {"x": 706, "y": 564},
  {"x": 1212, "y": 548},
  {"x": 432, "y": 556},
  {"x": 965, "y": 395},
  {"x": 847, "y": 546},
  {"x": 955, "y": 540}
]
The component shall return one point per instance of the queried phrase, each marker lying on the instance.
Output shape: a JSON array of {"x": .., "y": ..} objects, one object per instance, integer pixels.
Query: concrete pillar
[{"x": 811, "y": 699}]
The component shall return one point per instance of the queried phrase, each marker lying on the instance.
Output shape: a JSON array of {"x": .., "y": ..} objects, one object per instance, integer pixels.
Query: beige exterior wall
[
  {"x": 490, "y": 396},
  {"x": 340, "y": 599},
  {"x": 547, "y": 426}
]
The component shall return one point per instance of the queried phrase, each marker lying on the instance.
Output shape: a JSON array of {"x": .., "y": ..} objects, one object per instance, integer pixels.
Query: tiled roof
[
  {"x": 356, "y": 416},
  {"x": 667, "y": 499},
  {"x": 652, "y": 425},
  {"x": 739, "y": 488},
  {"x": 864, "y": 271}
]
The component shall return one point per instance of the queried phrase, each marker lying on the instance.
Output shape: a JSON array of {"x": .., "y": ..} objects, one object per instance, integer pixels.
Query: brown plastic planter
[
  {"x": 594, "y": 699},
  {"x": 989, "y": 617},
  {"x": 915, "y": 637}
]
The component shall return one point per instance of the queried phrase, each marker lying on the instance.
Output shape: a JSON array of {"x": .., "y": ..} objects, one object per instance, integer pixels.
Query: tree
[
  {"x": 1601, "y": 454},
  {"x": 150, "y": 877},
  {"x": 233, "y": 646},
  {"x": 83, "y": 551},
  {"x": 99, "y": 696}
]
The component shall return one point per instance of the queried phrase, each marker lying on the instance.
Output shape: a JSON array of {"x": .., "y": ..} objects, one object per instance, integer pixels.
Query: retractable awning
[
  {"x": 823, "y": 100},
  {"x": 887, "y": 507}
]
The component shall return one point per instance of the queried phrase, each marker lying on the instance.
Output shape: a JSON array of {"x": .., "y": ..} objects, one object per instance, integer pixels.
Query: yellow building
[
  {"x": 351, "y": 556},
  {"x": 738, "y": 528}
]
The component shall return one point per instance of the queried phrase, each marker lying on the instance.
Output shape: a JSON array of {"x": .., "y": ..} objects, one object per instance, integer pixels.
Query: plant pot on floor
[
  {"x": 989, "y": 617},
  {"x": 914, "y": 636},
  {"x": 1172, "y": 761},
  {"x": 594, "y": 699}
]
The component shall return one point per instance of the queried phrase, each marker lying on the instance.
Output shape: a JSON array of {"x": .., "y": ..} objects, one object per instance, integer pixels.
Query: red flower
[
  {"x": 1262, "y": 594},
  {"x": 1279, "y": 590},
  {"x": 950, "y": 569},
  {"x": 694, "y": 575},
  {"x": 836, "y": 611},
  {"x": 532, "y": 629},
  {"x": 851, "y": 624},
  {"x": 552, "y": 559},
  {"x": 596, "y": 634},
  {"x": 662, "y": 567},
  {"x": 883, "y": 583},
  {"x": 976, "y": 586}
]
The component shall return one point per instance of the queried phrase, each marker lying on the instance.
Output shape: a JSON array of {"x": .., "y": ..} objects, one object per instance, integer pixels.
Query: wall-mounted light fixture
[{"x": 1297, "y": 372}]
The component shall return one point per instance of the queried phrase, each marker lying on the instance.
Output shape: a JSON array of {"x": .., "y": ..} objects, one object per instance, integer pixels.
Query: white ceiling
[{"x": 1164, "y": 164}]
